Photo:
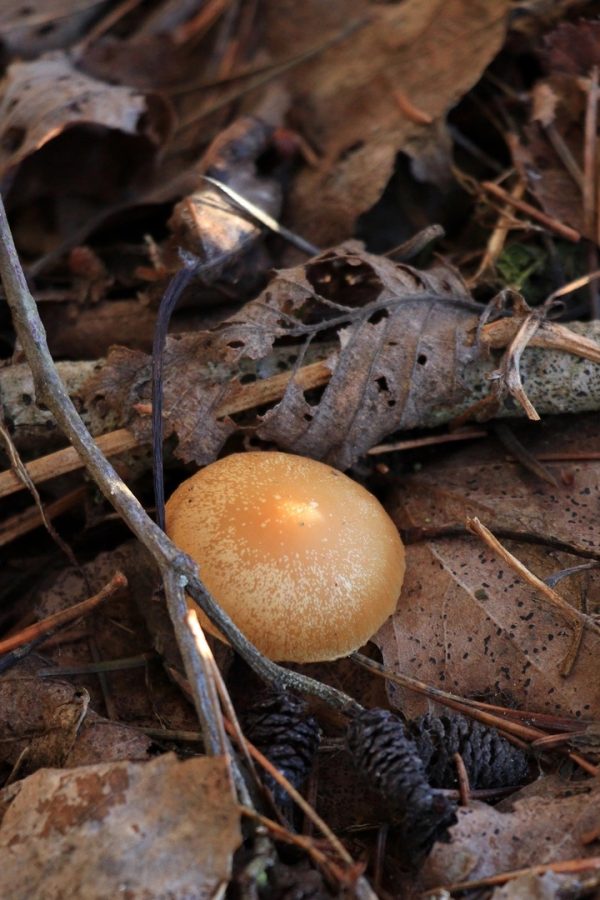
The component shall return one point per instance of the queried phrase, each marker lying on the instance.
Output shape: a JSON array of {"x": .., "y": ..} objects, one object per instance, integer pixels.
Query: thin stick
[
  {"x": 64, "y": 617},
  {"x": 63, "y": 461},
  {"x": 97, "y": 668},
  {"x": 307, "y": 844},
  {"x": 574, "y": 616},
  {"x": 471, "y": 707},
  {"x": 464, "y": 788},
  {"x": 549, "y": 222},
  {"x": 297, "y": 797},
  {"x": 589, "y": 155},
  {"x": 194, "y": 661},
  {"x": 465, "y": 435}
]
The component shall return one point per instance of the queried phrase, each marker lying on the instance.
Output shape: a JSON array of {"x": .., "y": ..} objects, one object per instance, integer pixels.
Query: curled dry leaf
[
  {"x": 41, "y": 99},
  {"x": 162, "y": 829},
  {"x": 51, "y": 114},
  {"x": 393, "y": 315},
  {"x": 465, "y": 621},
  {"x": 407, "y": 357},
  {"x": 394, "y": 68},
  {"x": 544, "y": 823}
]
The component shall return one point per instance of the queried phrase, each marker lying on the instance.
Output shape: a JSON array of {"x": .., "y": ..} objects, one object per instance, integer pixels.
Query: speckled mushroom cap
[{"x": 306, "y": 562}]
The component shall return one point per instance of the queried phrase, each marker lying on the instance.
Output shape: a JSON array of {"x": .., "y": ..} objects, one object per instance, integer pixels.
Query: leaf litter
[{"x": 319, "y": 119}]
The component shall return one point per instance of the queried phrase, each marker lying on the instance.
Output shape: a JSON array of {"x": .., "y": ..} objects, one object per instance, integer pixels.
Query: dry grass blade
[{"x": 510, "y": 366}]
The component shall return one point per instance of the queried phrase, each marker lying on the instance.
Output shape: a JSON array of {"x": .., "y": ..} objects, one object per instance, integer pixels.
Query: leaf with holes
[{"x": 403, "y": 346}]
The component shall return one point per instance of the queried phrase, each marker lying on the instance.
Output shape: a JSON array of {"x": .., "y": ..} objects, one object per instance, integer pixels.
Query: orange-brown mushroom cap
[{"x": 306, "y": 562}]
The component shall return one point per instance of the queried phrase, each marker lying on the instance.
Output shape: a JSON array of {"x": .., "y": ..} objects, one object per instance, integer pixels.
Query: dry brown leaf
[
  {"x": 43, "y": 98},
  {"x": 542, "y": 824},
  {"x": 366, "y": 98},
  {"x": 54, "y": 719},
  {"x": 51, "y": 721},
  {"x": 71, "y": 145},
  {"x": 406, "y": 358},
  {"x": 162, "y": 829},
  {"x": 465, "y": 621},
  {"x": 402, "y": 338}
]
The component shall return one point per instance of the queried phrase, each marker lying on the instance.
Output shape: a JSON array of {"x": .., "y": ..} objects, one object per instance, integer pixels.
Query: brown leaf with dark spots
[{"x": 465, "y": 621}]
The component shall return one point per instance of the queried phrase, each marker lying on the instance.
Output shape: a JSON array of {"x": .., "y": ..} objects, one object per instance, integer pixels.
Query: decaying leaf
[
  {"x": 407, "y": 358},
  {"x": 159, "y": 829},
  {"x": 544, "y": 823},
  {"x": 465, "y": 621},
  {"x": 42, "y": 99},
  {"x": 51, "y": 724},
  {"x": 394, "y": 68},
  {"x": 395, "y": 318}
]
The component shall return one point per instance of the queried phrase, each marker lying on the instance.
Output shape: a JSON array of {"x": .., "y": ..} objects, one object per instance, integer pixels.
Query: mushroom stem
[{"x": 51, "y": 391}]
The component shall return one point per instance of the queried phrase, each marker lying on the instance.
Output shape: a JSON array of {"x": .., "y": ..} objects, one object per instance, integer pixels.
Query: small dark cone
[
  {"x": 382, "y": 750},
  {"x": 279, "y": 727},
  {"x": 490, "y": 760}
]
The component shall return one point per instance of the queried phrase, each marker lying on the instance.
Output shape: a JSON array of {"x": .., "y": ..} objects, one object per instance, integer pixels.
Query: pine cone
[
  {"x": 279, "y": 727},
  {"x": 382, "y": 750},
  {"x": 490, "y": 760}
]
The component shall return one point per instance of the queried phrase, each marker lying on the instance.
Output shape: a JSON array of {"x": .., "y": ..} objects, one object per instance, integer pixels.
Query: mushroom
[{"x": 306, "y": 561}]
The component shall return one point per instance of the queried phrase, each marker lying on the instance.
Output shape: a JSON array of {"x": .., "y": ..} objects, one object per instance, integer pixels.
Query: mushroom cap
[{"x": 306, "y": 561}]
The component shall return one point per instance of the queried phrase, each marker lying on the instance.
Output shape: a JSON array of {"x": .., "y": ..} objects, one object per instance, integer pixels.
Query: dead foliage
[{"x": 386, "y": 219}]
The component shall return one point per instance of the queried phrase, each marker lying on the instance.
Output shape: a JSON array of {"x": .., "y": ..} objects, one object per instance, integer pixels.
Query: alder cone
[
  {"x": 278, "y": 726},
  {"x": 382, "y": 750},
  {"x": 489, "y": 759}
]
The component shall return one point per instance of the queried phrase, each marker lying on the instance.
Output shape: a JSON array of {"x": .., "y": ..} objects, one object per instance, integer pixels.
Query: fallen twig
[{"x": 549, "y": 222}]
